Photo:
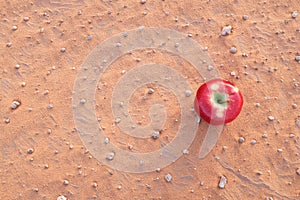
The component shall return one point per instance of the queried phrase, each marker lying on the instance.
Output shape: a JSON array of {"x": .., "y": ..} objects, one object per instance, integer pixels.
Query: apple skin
[{"x": 218, "y": 101}]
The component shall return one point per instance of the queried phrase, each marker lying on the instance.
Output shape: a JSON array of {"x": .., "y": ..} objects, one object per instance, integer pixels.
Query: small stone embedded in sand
[
  {"x": 294, "y": 106},
  {"x": 66, "y": 182},
  {"x": 155, "y": 134},
  {"x": 143, "y": 1},
  {"x": 95, "y": 185},
  {"x": 271, "y": 118},
  {"x": 245, "y": 17},
  {"x": 241, "y": 140},
  {"x": 106, "y": 140},
  {"x": 168, "y": 177},
  {"x": 264, "y": 135},
  {"x": 279, "y": 150},
  {"x": 110, "y": 156},
  {"x": 226, "y": 30},
  {"x": 30, "y": 151},
  {"x": 188, "y": 93},
  {"x": 14, "y": 28},
  {"x": 8, "y": 44},
  {"x": 150, "y": 91},
  {"x": 7, "y": 120},
  {"x": 222, "y": 182},
  {"x": 232, "y": 73},
  {"x": 17, "y": 66},
  {"x": 209, "y": 67},
  {"x": 185, "y": 151},
  {"x": 117, "y": 120},
  {"x": 26, "y": 19},
  {"x": 90, "y": 37},
  {"x": 233, "y": 50},
  {"x": 61, "y": 198},
  {"x": 15, "y": 105},
  {"x": 253, "y": 142},
  {"x": 294, "y": 14},
  {"x": 63, "y": 49},
  {"x": 297, "y": 58},
  {"x": 298, "y": 171}
]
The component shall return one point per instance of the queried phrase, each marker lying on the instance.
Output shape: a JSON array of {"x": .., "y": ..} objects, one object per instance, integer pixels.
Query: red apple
[{"x": 218, "y": 101}]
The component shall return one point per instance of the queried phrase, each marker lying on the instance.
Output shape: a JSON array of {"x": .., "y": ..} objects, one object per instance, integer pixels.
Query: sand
[{"x": 44, "y": 43}]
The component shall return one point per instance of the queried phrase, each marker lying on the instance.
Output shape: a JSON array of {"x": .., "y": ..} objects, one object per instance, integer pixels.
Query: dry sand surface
[{"x": 43, "y": 43}]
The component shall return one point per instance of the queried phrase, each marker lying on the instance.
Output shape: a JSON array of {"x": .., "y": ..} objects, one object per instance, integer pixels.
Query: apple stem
[{"x": 220, "y": 101}]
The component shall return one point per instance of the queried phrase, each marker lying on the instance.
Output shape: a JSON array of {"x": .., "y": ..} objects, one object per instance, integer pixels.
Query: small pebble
[
  {"x": 95, "y": 185},
  {"x": 23, "y": 84},
  {"x": 118, "y": 44},
  {"x": 26, "y": 19},
  {"x": 150, "y": 91},
  {"x": 15, "y": 105},
  {"x": 233, "y": 50},
  {"x": 241, "y": 140},
  {"x": 49, "y": 131},
  {"x": 279, "y": 150},
  {"x": 232, "y": 74},
  {"x": 294, "y": 14},
  {"x": 14, "y": 28},
  {"x": 30, "y": 150},
  {"x": 82, "y": 101},
  {"x": 245, "y": 17},
  {"x": 106, "y": 140},
  {"x": 155, "y": 134},
  {"x": 89, "y": 37},
  {"x": 292, "y": 135},
  {"x": 298, "y": 171},
  {"x": 36, "y": 189},
  {"x": 46, "y": 92},
  {"x": 8, "y": 44},
  {"x": 226, "y": 30},
  {"x": 110, "y": 156},
  {"x": 168, "y": 177},
  {"x": 297, "y": 58},
  {"x": 123, "y": 72},
  {"x": 50, "y": 106},
  {"x": 209, "y": 68},
  {"x": 7, "y": 120},
  {"x": 294, "y": 106},
  {"x": 224, "y": 148},
  {"x": 259, "y": 173},
  {"x": 119, "y": 187},
  {"x": 264, "y": 135},
  {"x": 271, "y": 118},
  {"x": 63, "y": 49},
  {"x": 143, "y": 1},
  {"x": 257, "y": 104},
  {"x": 253, "y": 142},
  {"x": 222, "y": 182},
  {"x": 117, "y": 120},
  {"x": 176, "y": 44},
  {"x": 66, "y": 182},
  {"x": 188, "y": 93},
  {"x": 17, "y": 66},
  {"x": 190, "y": 35},
  {"x": 61, "y": 198},
  {"x": 185, "y": 151}
]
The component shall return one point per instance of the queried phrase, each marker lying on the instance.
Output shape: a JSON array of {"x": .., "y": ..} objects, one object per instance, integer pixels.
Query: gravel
[
  {"x": 168, "y": 177},
  {"x": 222, "y": 182}
]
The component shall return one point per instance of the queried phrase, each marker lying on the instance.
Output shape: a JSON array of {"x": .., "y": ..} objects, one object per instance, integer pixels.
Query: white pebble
[
  {"x": 233, "y": 50},
  {"x": 123, "y": 72},
  {"x": 63, "y": 49},
  {"x": 226, "y": 30},
  {"x": 245, "y": 17},
  {"x": 209, "y": 68},
  {"x": 66, "y": 182},
  {"x": 222, "y": 182},
  {"x": 292, "y": 135},
  {"x": 279, "y": 150},
  {"x": 241, "y": 140},
  {"x": 188, "y": 93},
  {"x": 168, "y": 177},
  {"x": 185, "y": 151},
  {"x": 150, "y": 91},
  {"x": 143, "y": 1},
  {"x": 106, "y": 140},
  {"x": 117, "y": 120},
  {"x": 232, "y": 73},
  {"x": 294, "y": 106},
  {"x": 253, "y": 142},
  {"x": 298, "y": 171},
  {"x": 14, "y": 28},
  {"x": 26, "y": 19},
  {"x": 110, "y": 156},
  {"x": 297, "y": 58},
  {"x": 17, "y": 66},
  {"x": 15, "y": 105},
  {"x": 61, "y": 198},
  {"x": 271, "y": 118},
  {"x": 294, "y": 14},
  {"x": 155, "y": 134},
  {"x": 264, "y": 135}
]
